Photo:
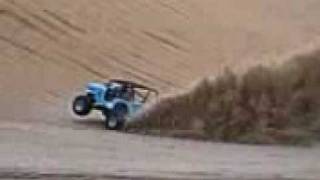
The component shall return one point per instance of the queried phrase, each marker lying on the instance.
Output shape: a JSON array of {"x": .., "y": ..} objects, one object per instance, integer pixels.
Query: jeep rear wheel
[
  {"x": 112, "y": 123},
  {"x": 81, "y": 105},
  {"x": 116, "y": 119}
]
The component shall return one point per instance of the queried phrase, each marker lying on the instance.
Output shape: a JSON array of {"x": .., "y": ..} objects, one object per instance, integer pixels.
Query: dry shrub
[{"x": 265, "y": 105}]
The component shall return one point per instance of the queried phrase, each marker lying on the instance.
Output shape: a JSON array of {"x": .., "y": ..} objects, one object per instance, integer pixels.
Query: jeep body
[{"x": 118, "y": 100}]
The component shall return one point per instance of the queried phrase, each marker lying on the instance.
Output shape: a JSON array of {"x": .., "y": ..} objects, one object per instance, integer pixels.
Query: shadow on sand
[{"x": 94, "y": 124}]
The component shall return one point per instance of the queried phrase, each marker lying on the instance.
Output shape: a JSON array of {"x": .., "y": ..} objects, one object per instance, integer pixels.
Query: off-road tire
[
  {"x": 115, "y": 119},
  {"x": 82, "y": 105}
]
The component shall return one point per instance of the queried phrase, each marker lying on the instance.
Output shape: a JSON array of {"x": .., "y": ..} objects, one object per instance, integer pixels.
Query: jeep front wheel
[{"x": 81, "y": 105}]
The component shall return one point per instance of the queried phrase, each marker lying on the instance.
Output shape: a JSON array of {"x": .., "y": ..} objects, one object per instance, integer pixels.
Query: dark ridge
[
  {"x": 173, "y": 9},
  {"x": 41, "y": 19},
  {"x": 28, "y": 23},
  {"x": 65, "y": 22},
  {"x": 164, "y": 41}
]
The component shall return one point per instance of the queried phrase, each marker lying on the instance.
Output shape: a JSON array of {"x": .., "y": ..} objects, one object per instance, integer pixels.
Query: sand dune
[
  {"x": 55, "y": 46},
  {"x": 50, "y": 49}
]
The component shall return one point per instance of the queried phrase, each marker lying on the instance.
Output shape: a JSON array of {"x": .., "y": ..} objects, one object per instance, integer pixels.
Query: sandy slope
[
  {"x": 49, "y": 49},
  {"x": 51, "y": 46}
]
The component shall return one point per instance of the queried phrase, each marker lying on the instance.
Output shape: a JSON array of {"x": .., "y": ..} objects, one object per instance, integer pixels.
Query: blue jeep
[{"x": 118, "y": 100}]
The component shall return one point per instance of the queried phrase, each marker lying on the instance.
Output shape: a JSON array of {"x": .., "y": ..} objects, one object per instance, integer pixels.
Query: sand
[{"x": 50, "y": 49}]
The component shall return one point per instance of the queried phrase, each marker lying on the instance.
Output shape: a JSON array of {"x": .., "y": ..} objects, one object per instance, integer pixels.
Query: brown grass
[{"x": 264, "y": 105}]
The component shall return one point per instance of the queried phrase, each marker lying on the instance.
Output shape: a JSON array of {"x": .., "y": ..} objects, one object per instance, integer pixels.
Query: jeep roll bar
[{"x": 134, "y": 85}]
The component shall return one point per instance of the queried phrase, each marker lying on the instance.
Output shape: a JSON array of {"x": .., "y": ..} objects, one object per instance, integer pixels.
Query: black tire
[
  {"x": 82, "y": 105},
  {"x": 116, "y": 119}
]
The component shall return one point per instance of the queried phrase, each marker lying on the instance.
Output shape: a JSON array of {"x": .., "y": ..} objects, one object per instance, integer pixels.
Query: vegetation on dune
[{"x": 264, "y": 105}]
